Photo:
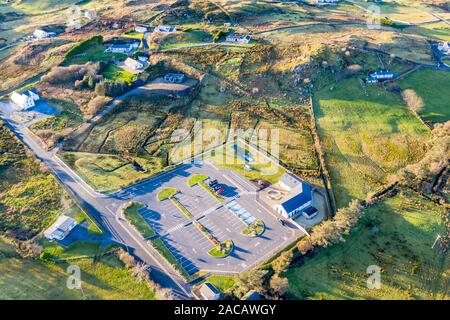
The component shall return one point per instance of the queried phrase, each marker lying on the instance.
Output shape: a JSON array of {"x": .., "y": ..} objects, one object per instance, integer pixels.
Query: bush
[
  {"x": 60, "y": 75},
  {"x": 95, "y": 105}
]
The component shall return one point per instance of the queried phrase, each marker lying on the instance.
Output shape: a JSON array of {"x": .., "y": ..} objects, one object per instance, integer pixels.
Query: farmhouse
[
  {"x": 121, "y": 48},
  {"x": 238, "y": 38},
  {"x": 444, "y": 48},
  {"x": 165, "y": 29},
  {"x": 60, "y": 229},
  {"x": 41, "y": 34},
  {"x": 140, "y": 29},
  {"x": 133, "y": 64},
  {"x": 327, "y": 1},
  {"x": 299, "y": 198},
  {"x": 382, "y": 75},
  {"x": 26, "y": 100},
  {"x": 174, "y": 77},
  {"x": 209, "y": 292},
  {"x": 90, "y": 14}
]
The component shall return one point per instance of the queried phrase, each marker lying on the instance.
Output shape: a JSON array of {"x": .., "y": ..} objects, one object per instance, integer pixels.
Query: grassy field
[
  {"x": 113, "y": 72},
  {"x": 223, "y": 283},
  {"x": 30, "y": 197},
  {"x": 133, "y": 216},
  {"x": 365, "y": 137},
  {"x": 186, "y": 38},
  {"x": 69, "y": 117},
  {"x": 105, "y": 278},
  {"x": 407, "y": 227},
  {"x": 92, "y": 51},
  {"x": 430, "y": 85},
  {"x": 106, "y": 171}
]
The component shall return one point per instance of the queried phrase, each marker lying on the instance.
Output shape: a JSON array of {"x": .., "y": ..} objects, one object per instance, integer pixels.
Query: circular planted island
[{"x": 223, "y": 250}]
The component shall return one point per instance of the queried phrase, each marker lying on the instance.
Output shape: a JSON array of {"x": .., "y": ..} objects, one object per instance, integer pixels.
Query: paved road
[{"x": 104, "y": 212}]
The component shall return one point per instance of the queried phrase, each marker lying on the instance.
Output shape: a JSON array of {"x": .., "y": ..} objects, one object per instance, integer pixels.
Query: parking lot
[{"x": 189, "y": 246}]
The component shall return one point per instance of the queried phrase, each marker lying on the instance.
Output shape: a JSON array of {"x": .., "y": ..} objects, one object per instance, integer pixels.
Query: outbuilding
[
  {"x": 209, "y": 292},
  {"x": 60, "y": 229}
]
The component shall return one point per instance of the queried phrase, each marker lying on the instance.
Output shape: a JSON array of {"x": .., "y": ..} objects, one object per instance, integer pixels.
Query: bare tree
[
  {"x": 413, "y": 101},
  {"x": 281, "y": 263},
  {"x": 279, "y": 284},
  {"x": 140, "y": 271}
]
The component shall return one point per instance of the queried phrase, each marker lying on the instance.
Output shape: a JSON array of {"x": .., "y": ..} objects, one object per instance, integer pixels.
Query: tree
[
  {"x": 281, "y": 263},
  {"x": 252, "y": 280},
  {"x": 305, "y": 245},
  {"x": 100, "y": 89},
  {"x": 413, "y": 101},
  {"x": 278, "y": 284},
  {"x": 95, "y": 105},
  {"x": 140, "y": 271}
]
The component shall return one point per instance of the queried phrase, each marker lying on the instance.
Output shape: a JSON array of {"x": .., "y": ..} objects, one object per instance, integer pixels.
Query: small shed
[
  {"x": 209, "y": 292},
  {"x": 60, "y": 229}
]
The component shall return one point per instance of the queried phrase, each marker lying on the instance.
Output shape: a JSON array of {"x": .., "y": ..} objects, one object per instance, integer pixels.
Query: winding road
[{"x": 105, "y": 211}]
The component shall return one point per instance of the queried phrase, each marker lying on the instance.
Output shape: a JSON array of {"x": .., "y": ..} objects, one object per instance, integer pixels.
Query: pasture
[
  {"x": 396, "y": 235},
  {"x": 431, "y": 86},
  {"x": 365, "y": 137}
]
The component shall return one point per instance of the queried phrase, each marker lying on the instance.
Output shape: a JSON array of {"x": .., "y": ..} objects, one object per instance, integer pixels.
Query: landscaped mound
[
  {"x": 222, "y": 250},
  {"x": 254, "y": 229}
]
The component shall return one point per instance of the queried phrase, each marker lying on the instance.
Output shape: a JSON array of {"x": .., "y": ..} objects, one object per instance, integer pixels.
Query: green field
[
  {"x": 31, "y": 198},
  {"x": 432, "y": 87},
  {"x": 69, "y": 117},
  {"x": 109, "y": 172},
  {"x": 365, "y": 138},
  {"x": 91, "y": 50},
  {"x": 113, "y": 72},
  {"x": 186, "y": 38},
  {"x": 223, "y": 283},
  {"x": 105, "y": 278},
  {"x": 407, "y": 228}
]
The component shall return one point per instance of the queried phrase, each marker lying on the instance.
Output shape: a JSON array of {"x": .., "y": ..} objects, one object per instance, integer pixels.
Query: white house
[
  {"x": 174, "y": 77},
  {"x": 60, "y": 229},
  {"x": 238, "y": 38},
  {"x": 133, "y": 64},
  {"x": 120, "y": 48},
  {"x": 140, "y": 29},
  {"x": 90, "y": 14},
  {"x": 444, "y": 47},
  {"x": 209, "y": 292},
  {"x": 26, "y": 100},
  {"x": 327, "y": 1},
  {"x": 299, "y": 199},
  {"x": 165, "y": 29},
  {"x": 41, "y": 34},
  {"x": 143, "y": 58}
]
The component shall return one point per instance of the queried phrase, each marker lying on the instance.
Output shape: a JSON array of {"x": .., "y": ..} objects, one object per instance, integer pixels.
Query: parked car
[
  {"x": 213, "y": 182},
  {"x": 219, "y": 191}
]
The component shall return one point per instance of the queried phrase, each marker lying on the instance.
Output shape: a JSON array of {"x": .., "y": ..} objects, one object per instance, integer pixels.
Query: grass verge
[
  {"x": 131, "y": 213},
  {"x": 160, "y": 246}
]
